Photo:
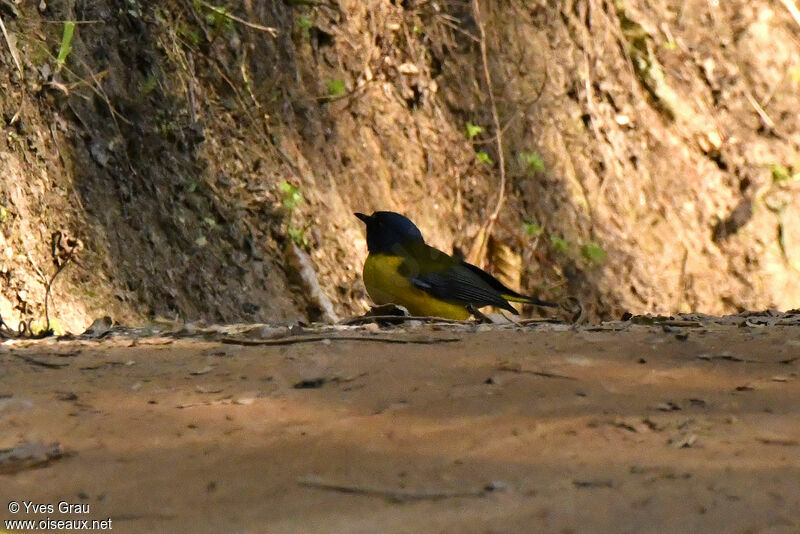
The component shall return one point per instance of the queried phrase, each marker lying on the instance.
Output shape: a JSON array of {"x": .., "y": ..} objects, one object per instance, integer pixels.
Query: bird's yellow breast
[{"x": 386, "y": 285}]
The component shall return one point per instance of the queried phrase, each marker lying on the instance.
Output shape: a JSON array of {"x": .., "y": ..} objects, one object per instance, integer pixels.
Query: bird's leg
[{"x": 478, "y": 314}]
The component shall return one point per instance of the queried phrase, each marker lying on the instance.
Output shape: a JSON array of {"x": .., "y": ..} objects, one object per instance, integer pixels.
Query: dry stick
[
  {"x": 768, "y": 122},
  {"x": 272, "y": 31},
  {"x": 544, "y": 374},
  {"x": 10, "y": 47},
  {"x": 291, "y": 340},
  {"x": 41, "y": 363},
  {"x": 391, "y": 494},
  {"x": 59, "y": 268},
  {"x": 19, "y": 67},
  {"x": 479, "y": 248},
  {"x": 73, "y": 21},
  {"x": 246, "y": 78},
  {"x": 789, "y": 4}
]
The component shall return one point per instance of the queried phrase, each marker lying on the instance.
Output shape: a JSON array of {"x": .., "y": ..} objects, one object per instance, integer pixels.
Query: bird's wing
[
  {"x": 445, "y": 278},
  {"x": 491, "y": 281},
  {"x": 505, "y": 292}
]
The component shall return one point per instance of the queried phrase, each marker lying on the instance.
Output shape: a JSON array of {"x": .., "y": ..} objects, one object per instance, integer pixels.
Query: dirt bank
[{"x": 650, "y": 148}]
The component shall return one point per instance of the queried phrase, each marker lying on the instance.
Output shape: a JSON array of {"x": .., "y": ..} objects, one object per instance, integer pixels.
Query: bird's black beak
[{"x": 365, "y": 218}]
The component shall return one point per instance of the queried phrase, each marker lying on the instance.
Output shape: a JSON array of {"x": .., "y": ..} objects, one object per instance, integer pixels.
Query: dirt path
[{"x": 543, "y": 430}]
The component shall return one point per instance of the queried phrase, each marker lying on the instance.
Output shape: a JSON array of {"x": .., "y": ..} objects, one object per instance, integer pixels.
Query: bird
[{"x": 402, "y": 269}]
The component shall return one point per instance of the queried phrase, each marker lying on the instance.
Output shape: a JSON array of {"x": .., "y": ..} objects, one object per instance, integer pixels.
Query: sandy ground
[{"x": 544, "y": 429}]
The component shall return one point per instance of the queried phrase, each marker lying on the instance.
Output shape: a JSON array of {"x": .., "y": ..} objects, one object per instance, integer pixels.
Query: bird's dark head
[{"x": 387, "y": 229}]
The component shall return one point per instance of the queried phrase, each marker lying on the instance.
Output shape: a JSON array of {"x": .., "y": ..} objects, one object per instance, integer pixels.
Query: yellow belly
[{"x": 386, "y": 286}]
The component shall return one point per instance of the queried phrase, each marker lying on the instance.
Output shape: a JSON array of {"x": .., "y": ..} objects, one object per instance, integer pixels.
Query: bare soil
[{"x": 625, "y": 428}]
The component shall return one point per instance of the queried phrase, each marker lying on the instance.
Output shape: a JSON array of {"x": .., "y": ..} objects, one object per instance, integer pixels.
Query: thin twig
[
  {"x": 41, "y": 363},
  {"x": 11, "y": 47},
  {"x": 546, "y": 374},
  {"x": 398, "y": 495},
  {"x": 291, "y": 340},
  {"x": 59, "y": 267},
  {"x": 246, "y": 79},
  {"x": 74, "y": 21},
  {"x": 539, "y": 320},
  {"x": 13, "y": 51},
  {"x": 36, "y": 267},
  {"x": 478, "y": 250},
  {"x": 272, "y": 31},
  {"x": 505, "y": 128},
  {"x": 454, "y": 26},
  {"x": 768, "y": 122},
  {"x": 789, "y": 4},
  {"x": 99, "y": 91}
]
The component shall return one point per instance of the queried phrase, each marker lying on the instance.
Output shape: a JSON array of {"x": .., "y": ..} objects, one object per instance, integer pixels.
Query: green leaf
[
  {"x": 781, "y": 173},
  {"x": 291, "y": 195},
  {"x": 335, "y": 87},
  {"x": 532, "y": 229},
  {"x": 483, "y": 157},
  {"x": 66, "y": 43},
  {"x": 593, "y": 252},
  {"x": 532, "y": 161},
  {"x": 286, "y": 187},
  {"x": 473, "y": 130},
  {"x": 559, "y": 243},
  {"x": 305, "y": 24}
]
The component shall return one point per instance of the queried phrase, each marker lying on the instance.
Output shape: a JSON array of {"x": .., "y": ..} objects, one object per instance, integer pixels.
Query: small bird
[{"x": 402, "y": 269}]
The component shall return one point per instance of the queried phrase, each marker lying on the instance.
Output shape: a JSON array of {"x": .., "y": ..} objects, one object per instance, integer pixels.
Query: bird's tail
[{"x": 516, "y": 297}]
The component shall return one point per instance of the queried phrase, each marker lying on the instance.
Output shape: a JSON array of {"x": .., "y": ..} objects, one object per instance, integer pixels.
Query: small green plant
[
  {"x": 3, "y": 214},
  {"x": 335, "y": 88},
  {"x": 483, "y": 157},
  {"x": 532, "y": 161},
  {"x": 781, "y": 174},
  {"x": 148, "y": 85},
  {"x": 66, "y": 43},
  {"x": 532, "y": 229},
  {"x": 292, "y": 197},
  {"x": 305, "y": 24},
  {"x": 297, "y": 235},
  {"x": 670, "y": 46},
  {"x": 593, "y": 252},
  {"x": 217, "y": 17},
  {"x": 473, "y": 130},
  {"x": 190, "y": 34},
  {"x": 559, "y": 244}
]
